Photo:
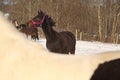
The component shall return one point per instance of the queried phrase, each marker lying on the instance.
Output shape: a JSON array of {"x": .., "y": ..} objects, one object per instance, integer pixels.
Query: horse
[
  {"x": 29, "y": 31},
  {"x": 33, "y": 32},
  {"x": 59, "y": 42},
  {"x": 23, "y": 59},
  {"x": 109, "y": 70}
]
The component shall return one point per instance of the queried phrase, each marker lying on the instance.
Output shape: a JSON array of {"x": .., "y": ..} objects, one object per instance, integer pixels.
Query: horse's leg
[
  {"x": 72, "y": 52},
  {"x": 37, "y": 37},
  {"x": 32, "y": 37}
]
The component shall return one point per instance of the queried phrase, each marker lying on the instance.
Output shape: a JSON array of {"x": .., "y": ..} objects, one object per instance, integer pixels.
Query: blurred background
[{"x": 89, "y": 20}]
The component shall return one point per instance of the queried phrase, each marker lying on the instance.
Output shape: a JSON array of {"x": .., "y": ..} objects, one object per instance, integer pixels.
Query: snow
[{"x": 86, "y": 47}]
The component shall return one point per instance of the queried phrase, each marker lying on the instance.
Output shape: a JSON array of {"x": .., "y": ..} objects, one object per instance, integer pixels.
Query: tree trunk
[
  {"x": 114, "y": 28},
  {"x": 99, "y": 22},
  {"x": 29, "y": 10}
]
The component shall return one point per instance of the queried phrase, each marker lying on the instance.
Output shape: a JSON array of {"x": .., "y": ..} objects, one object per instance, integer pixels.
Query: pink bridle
[{"x": 38, "y": 23}]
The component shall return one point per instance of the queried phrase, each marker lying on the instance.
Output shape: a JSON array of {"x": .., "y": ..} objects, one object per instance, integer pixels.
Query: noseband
[{"x": 37, "y": 24}]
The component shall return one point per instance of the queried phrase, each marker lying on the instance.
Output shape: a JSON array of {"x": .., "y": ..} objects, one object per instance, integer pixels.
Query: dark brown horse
[
  {"x": 58, "y": 42},
  {"x": 109, "y": 70}
]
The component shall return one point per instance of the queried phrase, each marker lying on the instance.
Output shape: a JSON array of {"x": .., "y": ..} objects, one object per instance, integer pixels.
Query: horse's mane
[{"x": 50, "y": 20}]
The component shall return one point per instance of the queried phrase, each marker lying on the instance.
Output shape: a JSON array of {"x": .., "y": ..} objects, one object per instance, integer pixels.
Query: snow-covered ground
[{"x": 85, "y": 47}]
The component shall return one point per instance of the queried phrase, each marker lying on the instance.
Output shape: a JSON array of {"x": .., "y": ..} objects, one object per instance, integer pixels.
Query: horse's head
[
  {"x": 21, "y": 26},
  {"x": 40, "y": 20}
]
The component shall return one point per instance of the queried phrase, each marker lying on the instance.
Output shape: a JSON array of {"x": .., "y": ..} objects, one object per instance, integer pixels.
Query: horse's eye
[{"x": 39, "y": 25}]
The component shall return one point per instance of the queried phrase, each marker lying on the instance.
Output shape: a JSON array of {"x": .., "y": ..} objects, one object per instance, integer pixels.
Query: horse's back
[
  {"x": 69, "y": 34},
  {"x": 107, "y": 71}
]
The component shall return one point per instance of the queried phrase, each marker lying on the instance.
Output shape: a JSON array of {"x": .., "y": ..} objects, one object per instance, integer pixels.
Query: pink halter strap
[{"x": 38, "y": 23}]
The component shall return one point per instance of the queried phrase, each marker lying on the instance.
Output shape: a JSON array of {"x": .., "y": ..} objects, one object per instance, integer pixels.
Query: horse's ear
[{"x": 40, "y": 12}]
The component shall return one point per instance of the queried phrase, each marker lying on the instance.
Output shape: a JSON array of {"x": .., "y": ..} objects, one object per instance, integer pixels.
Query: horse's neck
[{"x": 49, "y": 32}]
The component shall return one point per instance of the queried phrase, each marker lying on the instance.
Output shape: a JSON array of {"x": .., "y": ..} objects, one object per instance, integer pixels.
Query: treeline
[{"x": 97, "y": 20}]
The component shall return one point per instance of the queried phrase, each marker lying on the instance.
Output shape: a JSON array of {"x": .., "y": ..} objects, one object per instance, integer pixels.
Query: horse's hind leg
[
  {"x": 72, "y": 52},
  {"x": 37, "y": 37},
  {"x": 33, "y": 37}
]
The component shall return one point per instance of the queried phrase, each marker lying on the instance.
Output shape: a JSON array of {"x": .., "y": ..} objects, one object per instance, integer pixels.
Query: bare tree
[{"x": 86, "y": 16}]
